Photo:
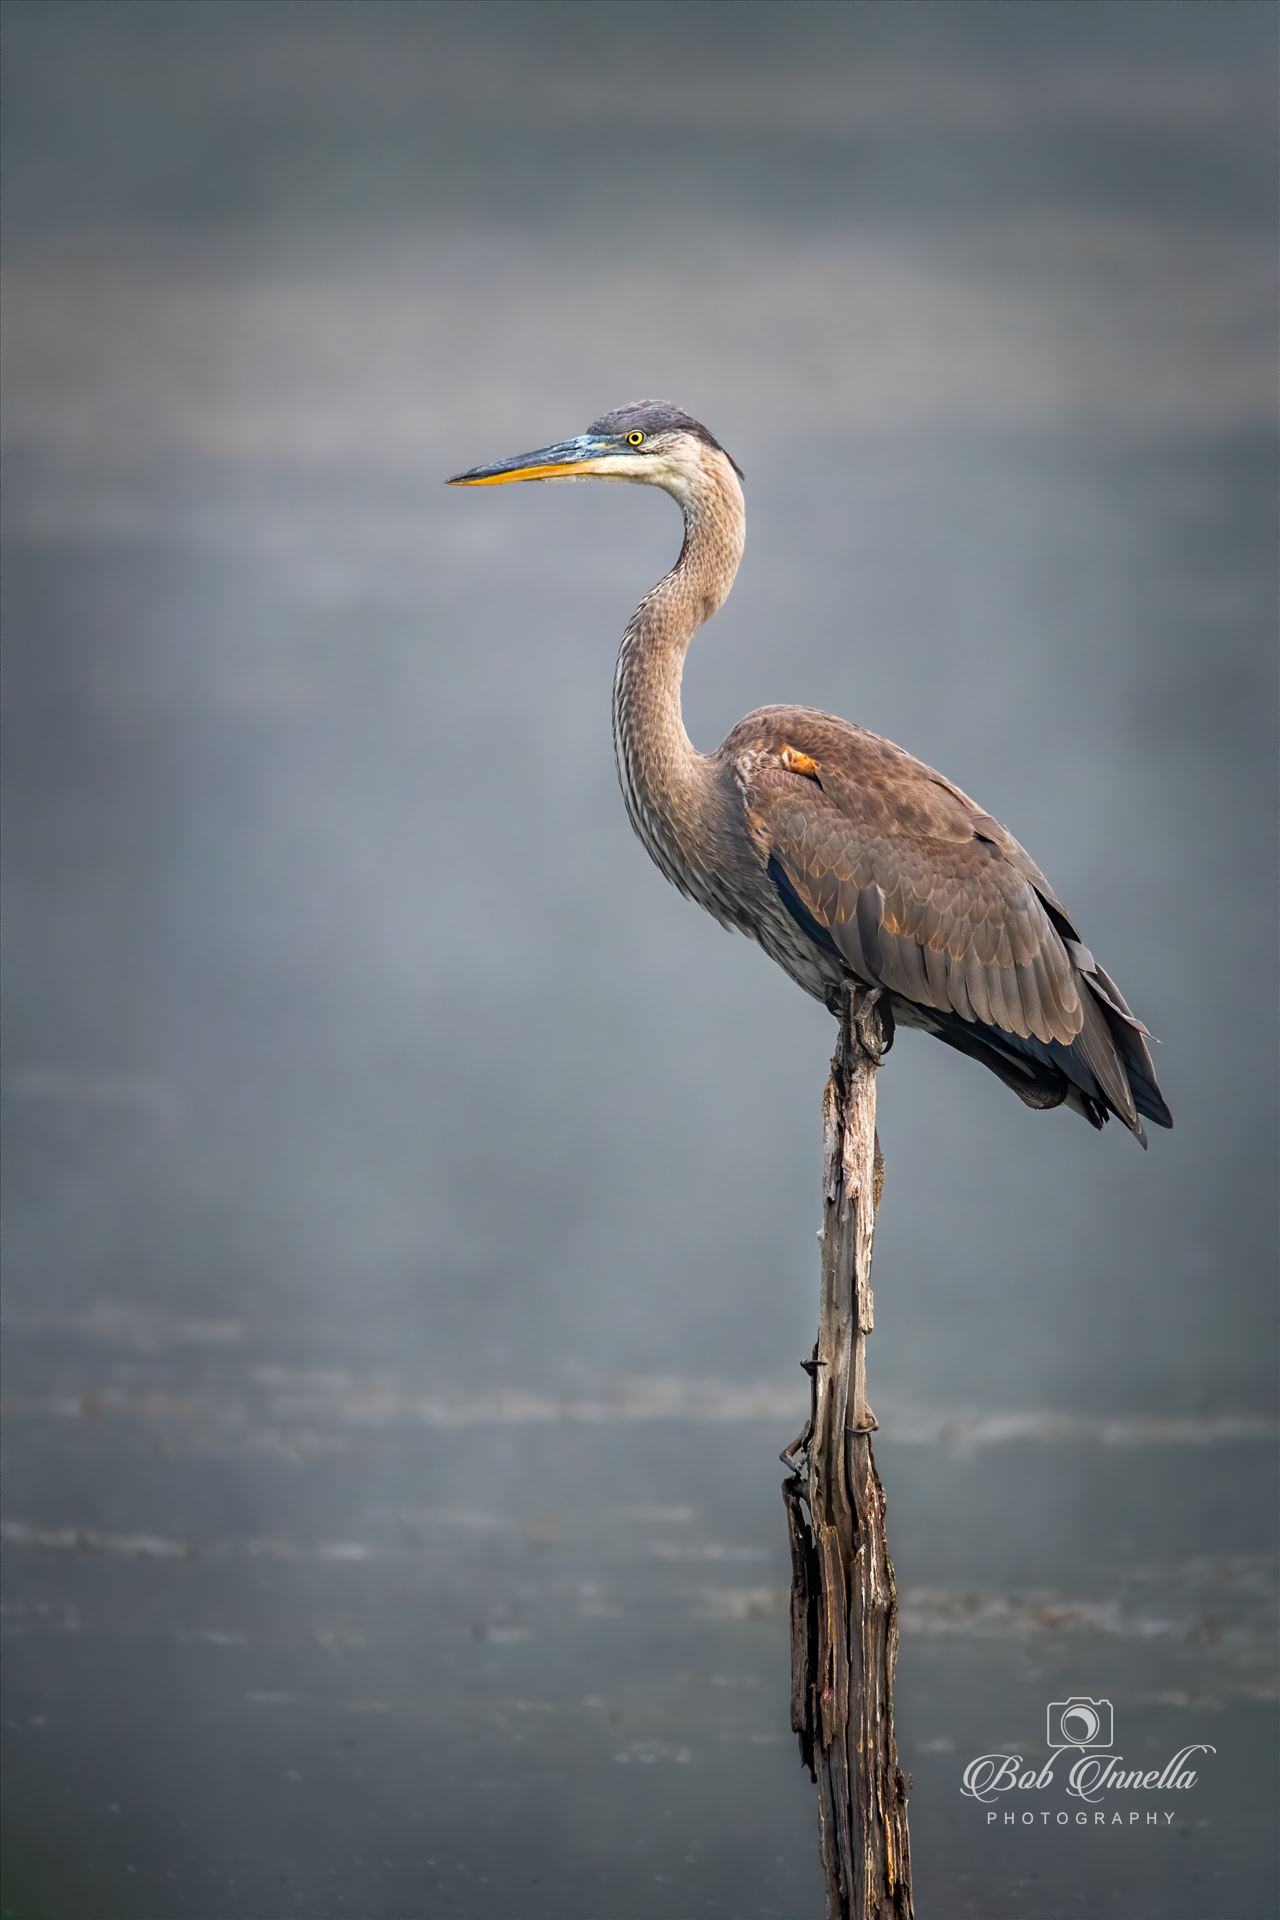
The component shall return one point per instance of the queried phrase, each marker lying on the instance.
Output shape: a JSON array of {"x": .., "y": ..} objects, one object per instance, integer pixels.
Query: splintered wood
[{"x": 844, "y": 1614}]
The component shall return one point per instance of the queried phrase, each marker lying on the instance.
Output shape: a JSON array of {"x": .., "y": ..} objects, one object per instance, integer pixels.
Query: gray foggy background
[{"x": 410, "y": 1200}]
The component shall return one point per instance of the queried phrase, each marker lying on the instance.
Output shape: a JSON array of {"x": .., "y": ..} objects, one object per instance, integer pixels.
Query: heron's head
[{"x": 650, "y": 443}]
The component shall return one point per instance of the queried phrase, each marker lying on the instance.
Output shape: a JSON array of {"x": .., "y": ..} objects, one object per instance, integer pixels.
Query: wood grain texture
[{"x": 844, "y": 1615}]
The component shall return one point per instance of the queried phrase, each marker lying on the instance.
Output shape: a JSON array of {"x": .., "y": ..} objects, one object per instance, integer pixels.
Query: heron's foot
[
  {"x": 873, "y": 1022},
  {"x": 795, "y": 1458}
]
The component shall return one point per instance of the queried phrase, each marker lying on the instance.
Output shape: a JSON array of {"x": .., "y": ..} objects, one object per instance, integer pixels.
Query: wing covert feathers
[{"x": 923, "y": 893}]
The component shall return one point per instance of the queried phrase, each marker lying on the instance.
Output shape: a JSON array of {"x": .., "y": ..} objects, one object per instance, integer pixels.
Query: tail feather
[
  {"x": 1106, "y": 1070},
  {"x": 1095, "y": 1049},
  {"x": 1127, "y": 1034}
]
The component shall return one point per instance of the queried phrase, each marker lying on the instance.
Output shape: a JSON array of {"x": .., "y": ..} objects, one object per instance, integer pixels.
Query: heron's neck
[{"x": 665, "y": 780}]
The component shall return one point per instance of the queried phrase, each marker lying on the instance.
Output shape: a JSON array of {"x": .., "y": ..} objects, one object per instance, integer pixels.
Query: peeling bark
[{"x": 844, "y": 1611}]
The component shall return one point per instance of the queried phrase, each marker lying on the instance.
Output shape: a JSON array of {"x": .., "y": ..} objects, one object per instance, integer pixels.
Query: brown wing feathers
[{"x": 924, "y": 894}]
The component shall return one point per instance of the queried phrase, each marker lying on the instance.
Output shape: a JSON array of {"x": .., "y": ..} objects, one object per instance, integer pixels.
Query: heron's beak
[{"x": 586, "y": 454}]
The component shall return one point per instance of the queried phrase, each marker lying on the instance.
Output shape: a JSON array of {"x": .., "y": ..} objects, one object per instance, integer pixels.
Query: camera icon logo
[{"x": 1080, "y": 1722}]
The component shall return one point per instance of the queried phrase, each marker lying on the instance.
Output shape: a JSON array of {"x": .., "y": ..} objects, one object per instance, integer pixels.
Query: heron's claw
[{"x": 873, "y": 1022}]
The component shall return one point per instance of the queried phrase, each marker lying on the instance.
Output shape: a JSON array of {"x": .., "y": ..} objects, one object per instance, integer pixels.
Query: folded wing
[{"x": 924, "y": 894}]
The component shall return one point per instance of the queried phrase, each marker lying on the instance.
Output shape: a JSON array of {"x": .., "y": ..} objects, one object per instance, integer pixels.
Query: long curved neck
[{"x": 665, "y": 781}]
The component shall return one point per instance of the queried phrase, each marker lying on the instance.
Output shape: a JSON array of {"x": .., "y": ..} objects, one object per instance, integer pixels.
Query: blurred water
[{"x": 409, "y": 1199}]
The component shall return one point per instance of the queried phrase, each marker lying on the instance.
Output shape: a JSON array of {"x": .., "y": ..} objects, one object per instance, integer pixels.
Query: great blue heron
[{"x": 844, "y": 857}]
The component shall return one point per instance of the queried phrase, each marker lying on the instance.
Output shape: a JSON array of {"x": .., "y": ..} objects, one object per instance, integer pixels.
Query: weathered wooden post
[{"x": 844, "y": 1610}]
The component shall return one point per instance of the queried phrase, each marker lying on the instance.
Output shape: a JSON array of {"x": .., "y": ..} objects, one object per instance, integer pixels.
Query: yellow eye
[{"x": 635, "y": 439}]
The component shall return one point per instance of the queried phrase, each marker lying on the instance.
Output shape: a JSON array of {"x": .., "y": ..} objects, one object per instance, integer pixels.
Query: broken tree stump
[{"x": 844, "y": 1610}]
